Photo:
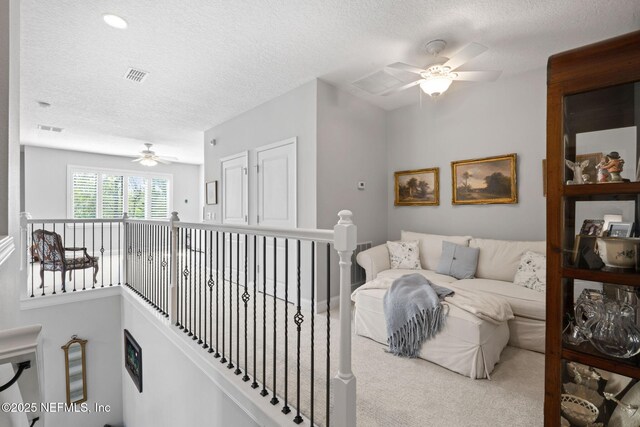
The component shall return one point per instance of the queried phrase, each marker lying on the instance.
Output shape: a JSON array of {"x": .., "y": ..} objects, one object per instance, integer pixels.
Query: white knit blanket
[{"x": 485, "y": 306}]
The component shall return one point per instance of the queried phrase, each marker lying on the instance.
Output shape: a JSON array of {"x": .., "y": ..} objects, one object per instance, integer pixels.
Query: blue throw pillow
[{"x": 458, "y": 261}]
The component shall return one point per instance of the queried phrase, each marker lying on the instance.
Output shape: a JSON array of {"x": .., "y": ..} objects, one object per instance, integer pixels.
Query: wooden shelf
[
  {"x": 616, "y": 278},
  {"x": 619, "y": 191},
  {"x": 617, "y": 366}
]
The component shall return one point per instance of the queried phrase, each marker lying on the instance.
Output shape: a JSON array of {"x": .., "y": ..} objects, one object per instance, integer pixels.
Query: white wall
[
  {"x": 351, "y": 148},
  {"x": 46, "y": 180},
  {"x": 175, "y": 391},
  {"x": 98, "y": 321},
  {"x": 9, "y": 154},
  {"x": 289, "y": 115},
  {"x": 470, "y": 121}
]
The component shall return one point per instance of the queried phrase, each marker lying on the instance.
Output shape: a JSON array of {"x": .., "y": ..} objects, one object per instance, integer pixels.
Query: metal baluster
[
  {"x": 237, "y": 371},
  {"x": 32, "y": 253},
  {"x": 254, "y": 384},
  {"x": 313, "y": 310},
  {"x": 184, "y": 273},
  {"x": 55, "y": 262},
  {"x": 180, "y": 284},
  {"x": 210, "y": 283},
  {"x": 298, "y": 318},
  {"x": 84, "y": 245},
  {"x": 328, "y": 367},
  {"x": 230, "y": 365},
  {"x": 119, "y": 252},
  {"x": 129, "y": 250},
  {"x": 42, "y": 262},
  {"x": 93, "y": 249},
  {"x": 204, "y": 255},
  {"x": 217, "y": 354},
  {"x": 274, "y": 399},
  {"x": 200, "y": 287},
  {"x": 245, "y": 300},
  {"x": 110, "y": 255},
  {"x": 64, "y": 244},
  {"x": 223, "y": 359},
  {"x": 190, "y": 310},
  {"x": 101, "y": 253},
  {"x": 264, "y": 391},
  {"x": 286, "y": 409}
]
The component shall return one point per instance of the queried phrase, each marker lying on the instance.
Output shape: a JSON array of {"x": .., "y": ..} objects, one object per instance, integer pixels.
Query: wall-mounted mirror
[{"x": 75, "y": 370}]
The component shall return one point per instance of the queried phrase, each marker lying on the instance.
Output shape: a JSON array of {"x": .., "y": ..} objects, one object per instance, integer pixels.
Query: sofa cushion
[
  {"x": 404, "y": 254},
  {"x": 499, "y": 259},
  {"x": 458, "y": 261},
  {"x": 437, "y": 279},
  {"x": 431, "y": 246},
  {"x": 524, "y": 302}
]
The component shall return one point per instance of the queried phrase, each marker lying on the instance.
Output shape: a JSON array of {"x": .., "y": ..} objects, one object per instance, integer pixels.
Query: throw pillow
[
  {"x": 532, "y": 271},
  {"x": 458, "y": 261},
  {"x": 404, "y": 255}
]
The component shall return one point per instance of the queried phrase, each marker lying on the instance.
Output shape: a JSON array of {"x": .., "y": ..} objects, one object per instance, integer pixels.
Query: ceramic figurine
[
  {"x": 577, "y": 169},
  {"x": 610, "y": 167}
]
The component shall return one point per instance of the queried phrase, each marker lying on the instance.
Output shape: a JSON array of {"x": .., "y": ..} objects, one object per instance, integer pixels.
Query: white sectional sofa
[{"x": 468, "y": 345}]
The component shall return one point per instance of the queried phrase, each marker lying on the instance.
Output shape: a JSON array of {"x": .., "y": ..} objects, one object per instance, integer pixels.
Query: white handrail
[
  {"x": 71, "y": 221},
  {"x": 320, "y": 236}
]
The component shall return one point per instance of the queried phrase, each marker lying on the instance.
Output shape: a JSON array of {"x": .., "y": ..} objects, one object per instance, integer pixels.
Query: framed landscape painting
[
  {"x": 419, "y": 187},
  {"x": 485, "y": 181}
]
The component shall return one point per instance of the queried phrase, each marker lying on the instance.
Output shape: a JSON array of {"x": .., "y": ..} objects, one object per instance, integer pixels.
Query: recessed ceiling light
[{"x": 115, "y": 21}]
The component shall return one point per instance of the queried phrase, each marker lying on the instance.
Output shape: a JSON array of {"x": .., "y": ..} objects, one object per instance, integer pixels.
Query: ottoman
[{"x": 467, "y": 345}]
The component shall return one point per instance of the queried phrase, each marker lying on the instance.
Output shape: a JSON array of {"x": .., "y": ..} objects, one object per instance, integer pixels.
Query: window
[{"x": 103, "y": 193}]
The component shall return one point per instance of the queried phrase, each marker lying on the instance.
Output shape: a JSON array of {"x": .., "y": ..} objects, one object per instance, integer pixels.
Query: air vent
[
  {"x": 135, "y": 75},
  {"x": 50, "y": 128},
  {"x": 377, "y": 82}
]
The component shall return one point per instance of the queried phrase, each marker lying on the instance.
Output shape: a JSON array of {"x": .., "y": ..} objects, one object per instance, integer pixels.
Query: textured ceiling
[{"x": 212, "y": 60}]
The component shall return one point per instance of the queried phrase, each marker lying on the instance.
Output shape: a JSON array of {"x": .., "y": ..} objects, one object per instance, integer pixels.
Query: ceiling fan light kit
[
  {"x": 149, "y": 158},
  {"x": 436, "y": 79},
  {"x": 148, "y": 162}
]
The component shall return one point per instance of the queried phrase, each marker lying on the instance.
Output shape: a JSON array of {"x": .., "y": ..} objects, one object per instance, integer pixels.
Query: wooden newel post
[
  {"x": 173, "y": 295},
  {"x": 344, "y": 383},
  {"x": 124, "y": 250}
]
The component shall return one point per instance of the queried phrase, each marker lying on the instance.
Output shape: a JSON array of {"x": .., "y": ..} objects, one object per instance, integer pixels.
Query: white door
[
  {"x": 276, "y": 176},
  {"x": 235, "y": 194}
]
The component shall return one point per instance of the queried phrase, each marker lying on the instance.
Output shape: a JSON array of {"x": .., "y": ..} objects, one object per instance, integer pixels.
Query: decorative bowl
[
  {"x": 584, "y": 392},
  {"x": 618, "y": 252},
  {"x": 578, "y": 411}
]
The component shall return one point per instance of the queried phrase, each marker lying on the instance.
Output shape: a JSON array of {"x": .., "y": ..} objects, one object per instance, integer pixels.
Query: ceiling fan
[
  {"x": 149, "y": 158},
  {"x": 436, "y": 79}
]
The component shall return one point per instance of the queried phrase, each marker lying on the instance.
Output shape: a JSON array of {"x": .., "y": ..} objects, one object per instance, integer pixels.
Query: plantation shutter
[
  {"x": 85, "y": 195},
  {"x": 159, "y": 198},
  {"x": 112, "y": 196},
  {"x": 137, "y": 197}
]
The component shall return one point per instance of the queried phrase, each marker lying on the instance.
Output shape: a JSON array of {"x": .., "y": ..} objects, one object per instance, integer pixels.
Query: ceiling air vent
[
  {"x": 135, "y": 75},
  {"x": 377, "y": 82},
  {"x": 50, "y": 128}
]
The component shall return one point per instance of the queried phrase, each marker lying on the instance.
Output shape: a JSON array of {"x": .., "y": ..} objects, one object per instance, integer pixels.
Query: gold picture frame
[
  {"x": 419, "y": 187},
  {"x": 489, "y": 180}
]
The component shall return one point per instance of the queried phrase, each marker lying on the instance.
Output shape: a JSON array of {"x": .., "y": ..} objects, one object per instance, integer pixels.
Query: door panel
[
  {"x": 234, "y": 189},
  {"x": 277, "y": 208}
]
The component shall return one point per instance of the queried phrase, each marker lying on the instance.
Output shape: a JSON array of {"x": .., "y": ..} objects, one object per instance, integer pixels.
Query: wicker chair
[{"x": 52, "y": 256}]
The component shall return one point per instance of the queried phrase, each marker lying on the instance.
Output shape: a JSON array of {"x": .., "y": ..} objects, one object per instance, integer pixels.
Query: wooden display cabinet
[{"x": 593, "y": 108}]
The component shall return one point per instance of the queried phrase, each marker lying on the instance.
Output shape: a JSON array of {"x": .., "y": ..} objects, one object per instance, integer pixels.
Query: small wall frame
[
  {"x": 75, "y": 367},
  {"x": 212, "y": 192}
]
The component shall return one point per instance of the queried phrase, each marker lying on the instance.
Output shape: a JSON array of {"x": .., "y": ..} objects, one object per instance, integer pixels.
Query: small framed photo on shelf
[
  {"x": 620, "y": 229},
  {"x": 584, "y": 255},
  {"x": 592, "y": 227},
  {"x": 212, "y": 192}
]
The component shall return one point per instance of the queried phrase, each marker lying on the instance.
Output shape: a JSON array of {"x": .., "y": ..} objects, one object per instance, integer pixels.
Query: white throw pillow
[
  {"x": 532, "y": 271},
  {"x": 404, "y": 255}
]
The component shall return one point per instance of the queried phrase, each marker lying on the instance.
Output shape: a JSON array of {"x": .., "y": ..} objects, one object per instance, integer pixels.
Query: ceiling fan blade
[
  {"x": 406, "y": 67},
  {"x": 139, "y": 159},
  {"x": 401, "y": 88},
  {"x": 467, "y": 53},
  {"x": 477, "y": 76},
  {"x": 161, "y": 160}
]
